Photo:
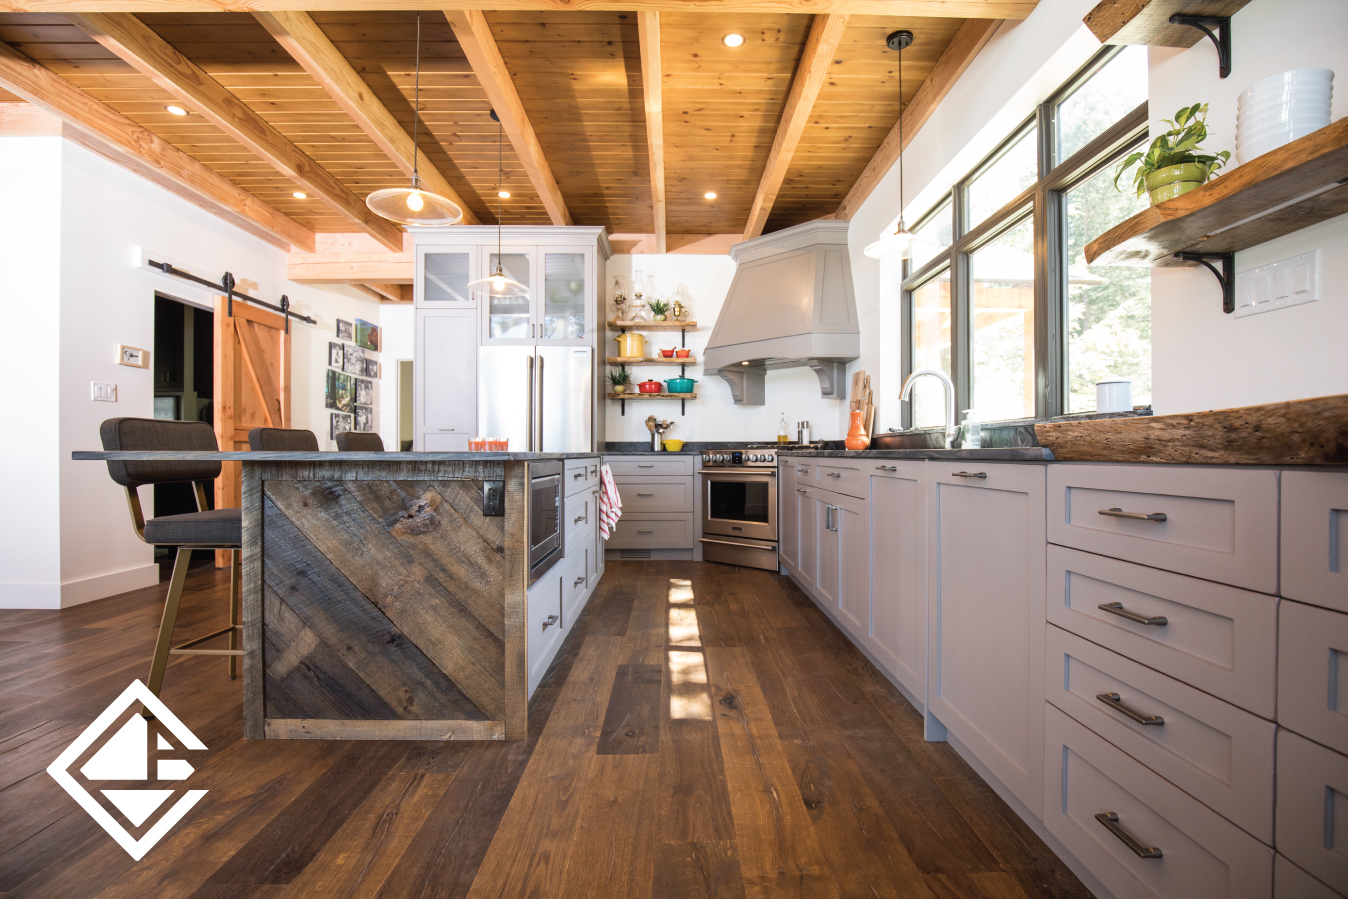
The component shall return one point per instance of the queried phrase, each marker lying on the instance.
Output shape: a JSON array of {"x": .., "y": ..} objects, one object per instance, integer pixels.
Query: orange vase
[{"x": 857, "y": 438}]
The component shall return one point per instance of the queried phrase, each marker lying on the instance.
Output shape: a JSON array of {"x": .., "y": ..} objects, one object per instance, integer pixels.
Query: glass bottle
[{"x": 783, "y": 434}]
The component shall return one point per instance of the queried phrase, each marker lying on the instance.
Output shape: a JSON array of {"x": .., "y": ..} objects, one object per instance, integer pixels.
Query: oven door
[
  {"x": 740, "y": 504},
  {"x": 545, "y": 523}
]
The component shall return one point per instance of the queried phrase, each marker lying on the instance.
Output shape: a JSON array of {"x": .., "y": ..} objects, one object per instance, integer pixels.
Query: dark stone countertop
[
  {"x": 242, "y": 456},
  {"x": 991, "y": 454}
]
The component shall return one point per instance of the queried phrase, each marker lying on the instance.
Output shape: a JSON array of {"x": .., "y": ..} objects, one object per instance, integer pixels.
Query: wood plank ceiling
[{"x": 578, "y": 76}]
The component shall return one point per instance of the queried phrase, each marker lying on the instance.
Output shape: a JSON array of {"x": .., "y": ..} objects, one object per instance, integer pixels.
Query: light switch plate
[
  {"x": 1289, "y": 282},
  {"x": 102, "y": 392}
]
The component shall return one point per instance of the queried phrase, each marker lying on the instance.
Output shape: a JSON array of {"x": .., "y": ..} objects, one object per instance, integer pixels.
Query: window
[{"x": 998, "y": 294}]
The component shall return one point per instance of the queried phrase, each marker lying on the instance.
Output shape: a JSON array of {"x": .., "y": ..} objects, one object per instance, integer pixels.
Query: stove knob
[
  {"x": 752, "y": 457},
  {"x": 722, "y": 458},
  {"x": 717, "y": 458},
  {"x": 706, "y": 458},
  {"x": 768, "y": 457}
]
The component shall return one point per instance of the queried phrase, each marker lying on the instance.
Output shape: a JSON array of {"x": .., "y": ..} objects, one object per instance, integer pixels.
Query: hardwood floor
[{"x": 705, "y": 732}]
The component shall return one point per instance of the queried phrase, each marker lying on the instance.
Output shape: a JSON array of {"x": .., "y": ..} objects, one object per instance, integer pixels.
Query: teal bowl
[{"x": 680, "y": 385}]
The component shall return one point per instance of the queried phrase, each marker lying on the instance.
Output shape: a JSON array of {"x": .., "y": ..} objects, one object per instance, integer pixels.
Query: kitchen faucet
[{"x": 950, "y": 429}]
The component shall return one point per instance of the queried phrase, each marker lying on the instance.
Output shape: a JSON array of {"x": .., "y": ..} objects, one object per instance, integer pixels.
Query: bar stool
[
  {"x": 359, "y": 442},
  {"x": 282, "y": 440},
  {"x": 210, "y": 529}
]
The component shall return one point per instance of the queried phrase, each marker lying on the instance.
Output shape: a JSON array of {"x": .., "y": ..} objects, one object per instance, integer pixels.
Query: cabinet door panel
[
  {"x": 827, "y": 580},
  {"x": 851, "y": 526},
  {"x": 510, "y": 319},
  {"x": 1313, "y": 673},
  {"x": 807, "y": 556},
  {"x": 447, "y": 376},
  {"x": 985, "y": 675},
  {"x": 898, "y": 632},
  {"x": 564, "y": 313},
  {"x": 444, "y": 278},
  {"x": 788, "y": 539},
  {"x": 1312, "y": 816},
  {"x": 1315, "y": 538},
  {"x": 545, "y": 636}
]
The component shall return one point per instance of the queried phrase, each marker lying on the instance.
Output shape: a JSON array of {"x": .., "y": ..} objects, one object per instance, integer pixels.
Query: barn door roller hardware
[
  {"x": 1221, "y": 40},
  {"x": 226, "y": 286},
  {"x": 1226, "y": 277}
]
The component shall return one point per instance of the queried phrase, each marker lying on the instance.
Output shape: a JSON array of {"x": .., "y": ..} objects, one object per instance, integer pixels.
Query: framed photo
[
  {"x": 339, "y": 391},
  {"x": 353, "y": 360},
  {"x": 132, "y": 356},
  {"x": 364, "y": 392},
  {"x": 341, "y": 421},
  {"x": 364, "y": 418},
  {"x": 335, "y": 354},
  {"x": 367, "y": 335},
  {"x": 371, "y": 368},
  {"x": 345, "y": 330}
]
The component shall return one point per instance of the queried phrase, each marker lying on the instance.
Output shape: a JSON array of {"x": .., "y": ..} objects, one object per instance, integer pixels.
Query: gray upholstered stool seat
[
  {"x": 215, "y": 527},
  {"x": 282, "y": 440},
  {"x": 359, "y": 442}
]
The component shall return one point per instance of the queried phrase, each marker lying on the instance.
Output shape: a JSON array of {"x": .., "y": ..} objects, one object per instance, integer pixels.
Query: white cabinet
[
  {"x": 842, "y": 581},
  {"x": 985, "y": 669},
  {"x": 544, "y": 621},
  {"x": 788, "y": 533},
  {"x": 445, "y": 393},
  {"x": 1315, "y": 538},
  {"x": 443, "y": 276},
  {"x": 898, "y": 540},
  {"x": 1312, "y": 817},
  {"x": 807, "y": 557},
  {"x": 562, "y": 305}
]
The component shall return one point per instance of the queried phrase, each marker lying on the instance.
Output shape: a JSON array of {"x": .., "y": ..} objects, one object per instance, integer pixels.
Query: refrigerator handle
[
  {"x": 541, "y": 395},
  {"x": 529, "y": 440}
]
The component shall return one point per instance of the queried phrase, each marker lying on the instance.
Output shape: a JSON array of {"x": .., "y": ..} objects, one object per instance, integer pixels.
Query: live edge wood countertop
[{"x": 378, "y": 601}]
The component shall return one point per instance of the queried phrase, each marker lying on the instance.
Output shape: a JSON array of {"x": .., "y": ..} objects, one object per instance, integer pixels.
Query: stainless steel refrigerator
[{"x": 540, "y": 397}]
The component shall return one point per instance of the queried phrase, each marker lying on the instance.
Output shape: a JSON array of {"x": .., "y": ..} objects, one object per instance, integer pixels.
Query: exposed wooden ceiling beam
[
  {"x": 959, "y": 9},
  {"x": 815, "y": 58},
  {"x": 152, "y": 56},
  {"x": 311, "y": 48},
  {"x": 961, "y": 51},
  {"x": 351, "y": 259},
  {"x": 113, "y": 135},
  {"x": 391, "y": 293},
  {"x": 693, "y": 244},
  {"x": 474, "y": 36},
  {"x": 648, "y": 32}
]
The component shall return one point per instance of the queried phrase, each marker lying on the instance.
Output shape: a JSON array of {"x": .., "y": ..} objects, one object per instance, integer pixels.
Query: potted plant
[
  {"x": 658, "y": 309},
  {"x": 619, "y": 379},
  {"x": 1175, "y": 164}
]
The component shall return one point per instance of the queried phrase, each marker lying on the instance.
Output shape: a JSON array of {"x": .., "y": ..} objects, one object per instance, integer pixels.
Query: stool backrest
[
  {"x": 155, "y": 434},
  {"x": 359, "y": 442},
  {"x": 282, "y": 440}
]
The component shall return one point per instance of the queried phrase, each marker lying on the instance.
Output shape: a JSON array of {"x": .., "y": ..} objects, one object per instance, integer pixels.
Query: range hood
[{"x": 790, "y": 304}]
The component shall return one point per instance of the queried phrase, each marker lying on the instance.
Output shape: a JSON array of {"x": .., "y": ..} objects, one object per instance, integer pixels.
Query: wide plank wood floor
[{"x": 705, "y": 732}]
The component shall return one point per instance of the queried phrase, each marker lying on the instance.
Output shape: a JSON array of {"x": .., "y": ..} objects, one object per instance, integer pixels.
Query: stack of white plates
[{"x": 1280, "y": 109}]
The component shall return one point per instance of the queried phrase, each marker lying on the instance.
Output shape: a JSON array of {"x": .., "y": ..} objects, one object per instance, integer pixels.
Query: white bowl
[
  {"x": 1293, "y": 80},
  {"x": 1285, "y": 115},
  {"x": 1250, "y": 148},
  {"x": 1319, "y": 105},
  {"x": 1297, "y": 101},
  {"x": 1294, "y": 129}
]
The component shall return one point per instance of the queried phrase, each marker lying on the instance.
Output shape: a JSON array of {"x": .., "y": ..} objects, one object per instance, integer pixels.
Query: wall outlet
[
  {"x": 1288, "y": 282},
  {"x": 101, "y": 392},
  {"x": 493, "y": 499}
]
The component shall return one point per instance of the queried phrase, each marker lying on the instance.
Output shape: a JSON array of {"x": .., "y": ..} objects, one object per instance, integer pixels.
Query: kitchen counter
[
  {"x": 243, "y": 456},
  {"x": 996, "y": 454}
]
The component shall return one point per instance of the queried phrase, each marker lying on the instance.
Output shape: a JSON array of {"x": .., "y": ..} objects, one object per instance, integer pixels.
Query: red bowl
[
  {"x": 650, "y": 387},
  {"x": 668, "y": 354}
]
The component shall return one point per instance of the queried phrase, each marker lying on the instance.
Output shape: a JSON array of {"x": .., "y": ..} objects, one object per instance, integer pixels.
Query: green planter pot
[{"x": 1175, "y": 180}]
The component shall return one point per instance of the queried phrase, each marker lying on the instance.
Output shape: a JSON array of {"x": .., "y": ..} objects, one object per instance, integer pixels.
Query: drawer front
[
  {"x": 575, "y": 473},
  {"x": 1315, "y": 538},
  {"x": 544, "y": 621},
  {"x": 438, "y": 442},
  {"x": 1312, "y": 825},
  {"x": 652, "y": 464},
  {"x": 578, "y": 512},
  {"x": 1216, "y": 638},
  {"x": 1220, "y": 524},
  {"x": 1202, "y": 854},
  {"x": 1313, "y": 673},
  {"x": 1290, "y": 882},
  {"x": 1210, "y": 749},
  {"x": 655, "y": 494},
  {"x": 575, "y": 580},
  {"x": 846, "y": 479},
  {"x": 654, "y": 532},
  {"x": 804, "y": 468}
]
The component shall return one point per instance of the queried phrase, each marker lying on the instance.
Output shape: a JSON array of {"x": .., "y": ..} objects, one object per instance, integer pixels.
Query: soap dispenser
[{"x": 973, "y": 431}]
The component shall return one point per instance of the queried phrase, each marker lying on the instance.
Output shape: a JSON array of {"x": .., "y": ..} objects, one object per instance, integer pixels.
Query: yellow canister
[{"x": 631, "y": 344}]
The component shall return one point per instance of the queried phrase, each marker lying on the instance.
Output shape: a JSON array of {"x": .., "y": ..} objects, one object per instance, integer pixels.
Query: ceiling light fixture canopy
[
  {"x": 901, "y": 239},
  {"x": 497, "y": 284},
  {"x": 412, "y": 205}
]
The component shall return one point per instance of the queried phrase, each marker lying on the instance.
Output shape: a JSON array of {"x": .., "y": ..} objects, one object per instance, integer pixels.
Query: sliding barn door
[{"x": 252, "y": 387}]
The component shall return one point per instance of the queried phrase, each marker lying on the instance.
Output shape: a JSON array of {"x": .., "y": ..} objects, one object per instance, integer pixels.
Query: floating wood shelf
[
  {"x": 652, "y": 326},
  {"x": 652, "y": 396},
  {"x": 1148, "y": 21},
  {"x": 1282, "y": 191},
  {"x": 643, "y": 360}
]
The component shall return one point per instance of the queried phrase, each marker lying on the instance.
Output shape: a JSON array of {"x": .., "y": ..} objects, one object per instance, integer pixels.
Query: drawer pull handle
[
  {"x": 646, "y": 531},
  {"x": 645, "y": 494},
  {"x": 834, "y": 474},
  {"x": 1136, "y": 516},
  {"x": 886, "y": 468},
  {"x": 802, "y": 490},
  {"x": 1114, "y": 702},
  {"x": 578, "y": 581},
  {"x": 579, "y": 474},
  {"x": 444, "y": 429},
  {"x": 1111, "y": 821},
  {"x": 969, "y": 474},
  {"x": 578, "y": 519},
  {"x": 1116, "y": 608},
  {"x": 652, "y": 465},
  {"x": 549, "y": 621}
]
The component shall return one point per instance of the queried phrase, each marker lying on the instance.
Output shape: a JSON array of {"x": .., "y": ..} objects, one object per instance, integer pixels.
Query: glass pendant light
[
  {"x": 901, "y": 240},
  {"x": 412, "y": 205},
  {"x": 497, "y": 284}
]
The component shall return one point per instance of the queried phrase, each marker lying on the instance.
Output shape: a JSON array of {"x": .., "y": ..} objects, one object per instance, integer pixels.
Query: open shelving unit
[
  {"x": 623, "y": 361},
  {"x": 1166, "y": 23},
  {"x": 1282, "y": 191}
]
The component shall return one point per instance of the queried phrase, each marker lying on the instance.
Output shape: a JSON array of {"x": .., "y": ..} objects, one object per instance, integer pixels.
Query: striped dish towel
[{"x": 610, "y": 504}]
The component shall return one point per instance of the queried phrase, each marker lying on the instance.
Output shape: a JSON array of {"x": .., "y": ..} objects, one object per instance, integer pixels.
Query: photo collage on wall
[{"x": 352, "y": 371}]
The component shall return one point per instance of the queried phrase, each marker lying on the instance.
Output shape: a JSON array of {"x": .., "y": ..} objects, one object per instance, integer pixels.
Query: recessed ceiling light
[
  {"x": 710, "y": 195},
  {"x": 176, "y": 110},
  {"x": 300, "y": 195},
  {"x": 503, "y": 194},
  {"x": 744, "y": 363},
  {"x": 733, "y": 39}
]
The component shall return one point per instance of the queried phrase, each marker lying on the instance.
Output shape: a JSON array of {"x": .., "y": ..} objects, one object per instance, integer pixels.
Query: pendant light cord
[
  {"x": 500, "y": 175},
  {"x": 901, "y": 146},
  {"x": 416, "y": 102}
]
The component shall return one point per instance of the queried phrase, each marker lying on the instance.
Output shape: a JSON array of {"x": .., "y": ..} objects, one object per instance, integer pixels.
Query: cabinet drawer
[
  {"x": 652, "y": 464},
  {"x": 655, "y": 532},
  {"x": 845, "y": 479},
  {"x": 804, "y": 469},
  {"x": 1219, "y": 524},
  {"x": 1213, "y": 751},
  {"x": 544, "y": 622},
  {"x": 1315, "y": 538},
  {"x": 1202, "y": 854},
  {"x": 576, "y": 474},
  {"x": 578, "y": 512},
  {"x": 575, "y": 579},
  {"x": 1290, "y": 882},
  {"x": 655, "y": 494},
  {"x": 1313, "y": 674},
  {"x": 442, "y": 442},
  {"x": 1312, "y": 825},
  {"x": 1216, "y": 638}
]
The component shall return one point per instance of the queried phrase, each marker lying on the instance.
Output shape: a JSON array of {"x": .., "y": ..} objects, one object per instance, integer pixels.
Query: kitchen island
[{"x": 387, "y": 595}]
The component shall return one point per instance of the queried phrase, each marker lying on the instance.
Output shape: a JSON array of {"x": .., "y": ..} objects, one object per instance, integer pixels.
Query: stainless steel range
[{"x": 739, "y": 506}]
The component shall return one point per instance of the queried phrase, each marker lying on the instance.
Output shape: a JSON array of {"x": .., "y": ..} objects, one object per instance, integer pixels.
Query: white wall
[
  {"x": 701, "y": 282},
  {"x": 1201, "y": 357},
  {"x": 398, "y": 333}
]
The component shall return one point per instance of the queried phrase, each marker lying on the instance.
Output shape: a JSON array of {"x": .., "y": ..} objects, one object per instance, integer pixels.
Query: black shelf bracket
[
  {"x": 1226, "y": 277},
  {"x": 1221, "y": 40}
]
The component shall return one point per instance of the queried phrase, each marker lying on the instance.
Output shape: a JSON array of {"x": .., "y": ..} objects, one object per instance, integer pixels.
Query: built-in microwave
[{"x": 544, "y": 520}]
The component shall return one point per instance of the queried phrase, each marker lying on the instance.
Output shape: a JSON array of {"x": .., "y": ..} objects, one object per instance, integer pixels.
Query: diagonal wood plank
[
  {"x": 255, "y": 361},
  {"x": 336, "y": 524},
  {"x": 328, "y": 603}
]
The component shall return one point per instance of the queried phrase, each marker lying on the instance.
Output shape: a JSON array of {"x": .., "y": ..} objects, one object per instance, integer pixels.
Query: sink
[{"x": 919, "y": 439}]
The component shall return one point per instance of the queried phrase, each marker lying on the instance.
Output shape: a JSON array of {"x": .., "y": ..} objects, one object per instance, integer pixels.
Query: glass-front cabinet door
[
  {"x": 565, "y": 295},
  {"x": 511, "y": 318},
  {"x": 560, "y": 306},
  {"x": 445, "y": 276}
]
